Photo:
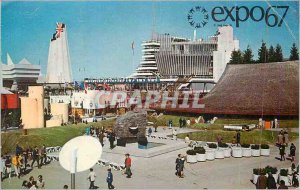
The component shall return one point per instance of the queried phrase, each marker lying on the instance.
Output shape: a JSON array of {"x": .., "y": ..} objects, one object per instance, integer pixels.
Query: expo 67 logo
[
  {"x": 272, "y": 16},
  {"x": 198, "y": 17}
]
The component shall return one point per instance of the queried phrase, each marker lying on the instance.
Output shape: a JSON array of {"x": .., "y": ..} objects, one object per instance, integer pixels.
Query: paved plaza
[{"x": 158, "y": 171}]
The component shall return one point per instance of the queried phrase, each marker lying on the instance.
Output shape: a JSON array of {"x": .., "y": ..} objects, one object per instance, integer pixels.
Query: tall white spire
[
  {"x": 59, "y": 64},
  {"x": 9, "y": 61}
]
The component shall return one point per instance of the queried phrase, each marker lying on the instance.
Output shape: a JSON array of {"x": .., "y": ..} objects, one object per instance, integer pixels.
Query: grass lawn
[
  {"x": 54, "y": 136},
  {"x": 251, "y": 137},
  {"x": 219, "y": 124}
]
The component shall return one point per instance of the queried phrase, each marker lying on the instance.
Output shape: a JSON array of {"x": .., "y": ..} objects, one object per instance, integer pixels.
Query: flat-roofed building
[{"x": 19, "y": 75}]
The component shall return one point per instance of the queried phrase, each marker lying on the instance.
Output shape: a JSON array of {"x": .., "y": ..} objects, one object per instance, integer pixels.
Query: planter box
[
  {"x": 227, "y": 152},
  {"x": 246, "y": 152},
  {"x": 201, "y": 157},
  {"x": 254, "y": 178},
  {"x": 219, "y": 154},
  {"x": 210, "y": 154},
  {"x": 255, "y": 152},
  {"x": 265, "y": 152},
  {"x": 237, "y": 152},
  {"x": 285, "y": 179},
  {"x": 276, "y": 176},
  {"x": 191, "y": 158}
]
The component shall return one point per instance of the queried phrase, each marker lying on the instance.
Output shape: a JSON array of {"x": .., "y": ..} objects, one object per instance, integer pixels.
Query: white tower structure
[{"x": 59, "y": 63}]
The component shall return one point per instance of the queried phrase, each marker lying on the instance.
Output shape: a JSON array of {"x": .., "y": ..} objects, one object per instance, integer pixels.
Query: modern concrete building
[
  {"x": 148, "y": 67},
  {"x": 198, "y": 60},
  {"x": 32, "y": 108},
  {"x": 59, "y": 64},
  {"x": 17, "y": 75},
  {"x": 181, "y": 62}
]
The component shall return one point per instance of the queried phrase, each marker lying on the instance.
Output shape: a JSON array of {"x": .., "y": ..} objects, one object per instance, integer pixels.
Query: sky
[{"x": 100, "y": 34}]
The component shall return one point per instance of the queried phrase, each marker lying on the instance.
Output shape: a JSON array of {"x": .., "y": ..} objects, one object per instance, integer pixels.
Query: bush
[
  {"x": 212, "y": 145},
  {"x": 245, "y": 145},
  {"x": 258, "y": 171},
  {"x": 199, "y": 150},
  {"x": 255, "y": 147},
  {"x": 273, "y": 170},
  {"x": 223, "y": 145},
  {"x": 264, "y": 146},
  {"x": 283, "y": 172},
  {"x": 191, "y": 152}
]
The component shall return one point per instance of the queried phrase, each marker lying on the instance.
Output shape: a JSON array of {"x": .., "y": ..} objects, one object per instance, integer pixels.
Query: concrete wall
[
  {"x": 32, "y": 108},
  {"x": 60, "y": 109},
  {"x": 54, "y": 122}
]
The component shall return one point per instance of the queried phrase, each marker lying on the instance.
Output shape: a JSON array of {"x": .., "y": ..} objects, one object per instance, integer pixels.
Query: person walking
[
  {"x": 219, "y": 139},
  {"x": 112, "y": 139},
  {"x": 184, "y": 123},
  {"x": 175, "y": 134},
  {"x": 280, "y": 138},
  {"x": 101, "y": 138},
  {"x": 19, "y": 150},
  {"x": 187, "y": 139},
  {"x": 282, "y": 185},
  {"x": 170, "y": 123},
  {"x": 43, "y": 155},
  {"x": 16, "y": 162},
  {"x": 286, "y": 138},
  {"x": 35, "y": 157},
  {"x": 180, "y": 167},
  {"x": 40, "y": 182},
  {"x": 292, "y": 152},
  {"x": 282, "y": 152},
  {"x": 177, "y": 162},
  {"x": 149, "y": 131},
  {"x": 110, "y": 179},
  {"x": 261, "y": 181},
  {"x": 91, "y": 178},
  {"x": 180, "y": 122},
  {"x": 25, "y": 159},
  {"x": 271, "y": 183},
  {"x": 31, "y": 181},
  {"x": 8, "y": 166},
  {"x": 238, "y": 138},
  {"x": 128, "y": 166}
]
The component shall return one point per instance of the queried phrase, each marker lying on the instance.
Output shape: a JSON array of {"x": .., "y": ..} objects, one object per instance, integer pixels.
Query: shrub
[
  {"x": 264, "y": 146},
  {"x": 255, "y": 147},
  {"x": 283, "y": 172},
  {"x": 258, "y": 171},
  {"x": 223, "y": 145},
  {"x": 273, "y": 170},
  {"x": 212, "y": 145},
  {"x": 245, "y": 145},
  {"x": 191, "y": 152},
  {"x": 199, "y": 150}
]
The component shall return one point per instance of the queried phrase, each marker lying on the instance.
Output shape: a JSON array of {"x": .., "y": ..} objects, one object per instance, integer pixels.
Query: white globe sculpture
[{"x": 80, "y": 154}]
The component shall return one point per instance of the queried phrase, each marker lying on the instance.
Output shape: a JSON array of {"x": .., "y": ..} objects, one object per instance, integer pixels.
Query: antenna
[
  {"x": 195, "y": 35},
  {"x": 153, "y": 19}
]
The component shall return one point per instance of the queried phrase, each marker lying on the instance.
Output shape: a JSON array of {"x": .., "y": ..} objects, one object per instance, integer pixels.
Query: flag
[
  {"x": 85, "y": 87},
  {"x": 132, "y": 47}
]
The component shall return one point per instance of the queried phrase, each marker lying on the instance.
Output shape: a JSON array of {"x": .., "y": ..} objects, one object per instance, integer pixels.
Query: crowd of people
[
  {"x": 34, "y": 184},
  {"x": 264, "y": 182},
  {"x": 109, "y": 179},
  {"x": 102, "y": 134},
  {"x": 22, "y": 162}
]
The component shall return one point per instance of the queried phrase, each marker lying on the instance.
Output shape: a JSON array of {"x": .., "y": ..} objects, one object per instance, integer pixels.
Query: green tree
[
  {"x": 248, "y": 56},
  {"x": 278, "y": 54},
  {"x": 236, "y": 57},
  {"x": 271, "y": 54},
  {"x": 294, "y": 54},
  {"x": 263, "y": 53}
]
